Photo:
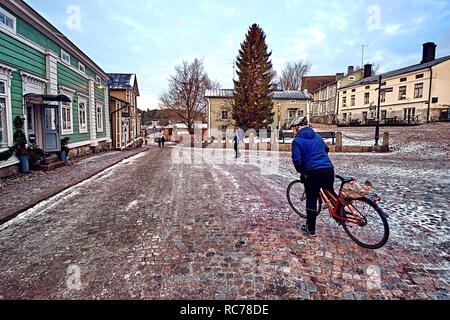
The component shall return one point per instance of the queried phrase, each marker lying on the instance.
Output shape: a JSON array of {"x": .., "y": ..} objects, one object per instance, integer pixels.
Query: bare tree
[
  {"x": 186, "y": 94},
  {"x": 291, "y": 77}
]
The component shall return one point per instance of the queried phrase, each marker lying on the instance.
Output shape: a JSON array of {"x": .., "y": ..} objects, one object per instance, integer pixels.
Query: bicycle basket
[{"x": 354, "y": 190}]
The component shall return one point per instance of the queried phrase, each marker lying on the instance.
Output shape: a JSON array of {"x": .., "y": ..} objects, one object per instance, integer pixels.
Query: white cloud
[
  {"x": 393, "y": 29},
  {"x": 148, "y": 101}
]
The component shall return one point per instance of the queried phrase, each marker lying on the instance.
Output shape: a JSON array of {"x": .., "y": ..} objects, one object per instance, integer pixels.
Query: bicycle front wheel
[
  {"x": 371, "y": 230},
  {"x": 296, "y": 196}
]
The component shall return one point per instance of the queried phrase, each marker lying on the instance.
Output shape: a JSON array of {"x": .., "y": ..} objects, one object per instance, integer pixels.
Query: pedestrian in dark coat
[{"x": 163, "y": 141}]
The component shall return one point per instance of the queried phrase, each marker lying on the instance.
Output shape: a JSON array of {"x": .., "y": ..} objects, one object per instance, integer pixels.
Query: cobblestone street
[{"x": 160, "y": 230}]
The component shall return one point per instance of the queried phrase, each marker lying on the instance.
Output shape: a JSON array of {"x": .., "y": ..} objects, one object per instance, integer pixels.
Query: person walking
[
  {"x": 236, "y": 140},
  {"x": 310, "y": 158},
  {"x": 163, "y": 141}
]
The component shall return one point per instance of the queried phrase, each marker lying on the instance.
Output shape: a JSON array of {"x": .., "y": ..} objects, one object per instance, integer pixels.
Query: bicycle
[{"x": 362, "y": 219}]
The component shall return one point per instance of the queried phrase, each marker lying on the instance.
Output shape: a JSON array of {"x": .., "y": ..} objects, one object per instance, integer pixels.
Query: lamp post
[{"x": 377, "y": 129}]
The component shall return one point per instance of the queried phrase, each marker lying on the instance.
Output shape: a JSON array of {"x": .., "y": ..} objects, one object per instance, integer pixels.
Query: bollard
[
  {"x": 386, "y": 141},
  {"x": 338, "y": 142}
]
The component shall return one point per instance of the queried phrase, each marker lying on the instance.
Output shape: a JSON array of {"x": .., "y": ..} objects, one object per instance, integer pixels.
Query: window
[
  {"x": 418, "y": 90},
  {"x": 366, "y": 98},
  {"x": 98, "y": 81},
  {"x": 225, "y": 115},
  {"x": 383, "y": 96},
  {"x": 66, "y": 111},
  {"x": 351, "y": 78},
  {"x": 3, "y": 121},
  {"x": 293, "y": 101},
  {"x": 301, "y": 113},
  {"x": 345, "y": 116},
  {"x": 383, "y": 115},
  {"x": 82, "y": 68},
  {"x": 65, "y": 56},
  {"x": 353, "y": 101},
  {"x": 419, "y": 76},
  {"x": 345, "y": 92},
  {"x": 82, "y": 116},
  {"x": 99, "y": 117},
  {"x": 364, "y": 115},
  {"x": 292, "y": 113},
  {"x": 7, "y": 21},
  {"x": 344, "y": 101},
  {"x": 353, "y": 90},
  {"x": 402, "y": 93},
  {"x": 403, "y": 79},
  {"x": 367, "y": 87},
  {"x": 409, "y": 114}
]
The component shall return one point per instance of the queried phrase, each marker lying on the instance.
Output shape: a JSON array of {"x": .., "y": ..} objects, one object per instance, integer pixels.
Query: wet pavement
[{"x": 149, "y": 228}]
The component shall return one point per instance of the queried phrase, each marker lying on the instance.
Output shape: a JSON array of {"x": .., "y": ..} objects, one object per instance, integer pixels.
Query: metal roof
[
  {"x": 390, "y": 74},
  {"x": 277, "y": 95},
  {"x": 122, "y": 80}
]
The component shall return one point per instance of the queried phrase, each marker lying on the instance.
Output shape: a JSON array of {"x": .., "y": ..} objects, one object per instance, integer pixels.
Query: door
[{"x": 50, "y": 129}]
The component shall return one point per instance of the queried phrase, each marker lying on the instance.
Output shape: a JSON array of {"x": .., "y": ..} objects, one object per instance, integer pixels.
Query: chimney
[
  {"x": 351, "y": 69},
  {"x": 339, "y": 76},
  {"x": 367, "y": 71},
  {"x": 429, "y": 52}
]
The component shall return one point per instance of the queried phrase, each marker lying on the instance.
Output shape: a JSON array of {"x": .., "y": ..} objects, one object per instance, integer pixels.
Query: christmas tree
[{"x": 253, "y": 106}]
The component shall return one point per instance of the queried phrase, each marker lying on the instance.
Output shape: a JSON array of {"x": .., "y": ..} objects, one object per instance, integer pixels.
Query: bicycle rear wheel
[
  {"x": 297, "y": 199},
  {"x": 372, "y": 231}
]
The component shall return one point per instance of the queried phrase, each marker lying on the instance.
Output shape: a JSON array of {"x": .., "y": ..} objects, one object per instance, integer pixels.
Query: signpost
[{"x": 377, "y": 129}]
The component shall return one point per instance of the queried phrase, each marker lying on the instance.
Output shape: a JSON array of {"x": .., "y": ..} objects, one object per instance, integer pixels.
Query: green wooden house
[{"x": 39, "y": 70}]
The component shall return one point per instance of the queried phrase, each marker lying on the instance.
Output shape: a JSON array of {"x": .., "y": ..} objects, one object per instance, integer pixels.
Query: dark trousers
[
  {"x": 236, "y": 148},
  {"x": 316, "y": 180}
]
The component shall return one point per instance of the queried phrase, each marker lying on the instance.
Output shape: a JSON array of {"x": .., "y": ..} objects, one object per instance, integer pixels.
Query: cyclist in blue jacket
[{"x": 310, "y": 158}]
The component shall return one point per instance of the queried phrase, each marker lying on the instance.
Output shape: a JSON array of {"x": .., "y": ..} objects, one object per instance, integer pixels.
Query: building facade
[
  {"x": 325, "y": 104},
  {"x": 39, "y": 70},
  {"x": 125, "y": 115},
  {"x": 287, "y": 106},
  {"x": 412, "y": 95}
]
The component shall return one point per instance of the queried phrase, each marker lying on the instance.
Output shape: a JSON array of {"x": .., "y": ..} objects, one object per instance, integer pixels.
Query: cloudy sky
[{"x": 150, "y": 37}]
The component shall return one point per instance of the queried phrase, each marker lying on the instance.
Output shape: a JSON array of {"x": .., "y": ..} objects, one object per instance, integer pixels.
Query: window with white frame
[
  {"x": 82, "y": 116},
  {"x": 292, "y": 114},
  {"x": 65, "y": 56},
  {"x": 98, "y": 80},
  {"x": 418, "y": 90},
  {"x": 99, "y": 117},
  {"x": 7, "y": 21},
  {"x": 82, "y": 68},
  {"x": 301, "y": 113},
  {"x": 66, "y": 114},
  {"x": 3, "y": 110}
]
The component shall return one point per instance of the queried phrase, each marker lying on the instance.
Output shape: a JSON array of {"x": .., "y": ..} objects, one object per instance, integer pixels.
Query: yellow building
[
  {"x": 412, "y": 95},
  {"x": 125, "y": 115},
  {"x": 287, "y": 106}
]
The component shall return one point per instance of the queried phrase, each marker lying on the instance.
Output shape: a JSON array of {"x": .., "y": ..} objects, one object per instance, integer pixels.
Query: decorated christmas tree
[{"x": 253, "y": 106}]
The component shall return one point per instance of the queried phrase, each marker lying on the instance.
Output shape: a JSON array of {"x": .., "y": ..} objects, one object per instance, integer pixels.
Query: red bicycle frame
[{"x": 333, "y": 209}]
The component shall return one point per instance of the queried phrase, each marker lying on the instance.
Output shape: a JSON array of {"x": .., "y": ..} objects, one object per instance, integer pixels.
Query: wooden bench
[
  {"x": 328, "y": 135},
  {"x": 325, "y": 135}
]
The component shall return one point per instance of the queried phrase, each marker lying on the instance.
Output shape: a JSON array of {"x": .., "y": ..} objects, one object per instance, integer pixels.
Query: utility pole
[{"x": 362, "y": 55}]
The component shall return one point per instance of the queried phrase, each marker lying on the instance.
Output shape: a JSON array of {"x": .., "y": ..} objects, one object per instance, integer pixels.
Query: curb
[{"x": 55, "y": 191}]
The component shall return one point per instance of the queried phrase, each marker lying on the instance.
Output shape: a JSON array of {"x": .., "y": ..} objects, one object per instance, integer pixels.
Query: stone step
[{"x": 53, "y": 165}]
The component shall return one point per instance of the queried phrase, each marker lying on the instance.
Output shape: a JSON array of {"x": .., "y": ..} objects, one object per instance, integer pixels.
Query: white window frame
[
  {"x": 62, "y": 57},
  {"x": 8, "y": 116},
  {"x": 98, "y": 80},
  {"x": 82, "y": 100},
  {"x": 68, "y": 92},
  {"x": 5, "y": 27},
  {"x": 81, "y": 68},
  {"x": 99, "y": 125}
]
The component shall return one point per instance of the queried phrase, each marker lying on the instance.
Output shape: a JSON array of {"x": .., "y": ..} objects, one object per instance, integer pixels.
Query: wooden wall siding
[
  {"x": 70, "y": 79},
  {"x": 23, "y": 58},
  {"x": 100, "y": 95}
]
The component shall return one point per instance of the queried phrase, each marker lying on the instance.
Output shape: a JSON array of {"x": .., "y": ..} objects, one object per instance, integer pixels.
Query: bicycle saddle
[{"x": 345, "y": 179}]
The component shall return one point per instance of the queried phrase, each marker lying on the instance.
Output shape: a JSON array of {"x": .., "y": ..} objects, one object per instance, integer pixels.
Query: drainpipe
[
  {"x": 429, "y": 95},
  {"x": 337, "y": 108}
]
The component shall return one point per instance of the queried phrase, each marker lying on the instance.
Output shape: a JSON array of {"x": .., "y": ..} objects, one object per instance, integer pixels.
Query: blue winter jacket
[{"x": 309, "y": 151}]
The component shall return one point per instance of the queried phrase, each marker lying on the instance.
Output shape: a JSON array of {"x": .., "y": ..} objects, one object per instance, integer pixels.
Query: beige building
[
  {"x": 413, "y": 95},
  {"x": 325, "y": 104},
  {"x": 125, "y": 115},
  {"x": 287, "y": 106}
]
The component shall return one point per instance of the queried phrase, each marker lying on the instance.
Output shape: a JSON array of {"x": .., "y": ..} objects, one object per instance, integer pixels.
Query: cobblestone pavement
[
  {"x": 20, "y": 191},
  {"x": 151, "y": 229}
]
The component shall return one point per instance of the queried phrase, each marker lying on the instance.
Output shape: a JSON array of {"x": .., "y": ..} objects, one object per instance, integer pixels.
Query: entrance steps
[{"x": 53, "y": 163}]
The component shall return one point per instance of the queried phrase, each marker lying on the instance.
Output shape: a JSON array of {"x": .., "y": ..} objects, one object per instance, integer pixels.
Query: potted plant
[
  {"x": 64, "y": 149},
  {"x": 35, "y": 155},
  {"x": 20, "y": 141}
]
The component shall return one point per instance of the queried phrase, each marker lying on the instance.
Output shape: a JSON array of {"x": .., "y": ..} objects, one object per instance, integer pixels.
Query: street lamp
[{"x": 377, "y": 129}]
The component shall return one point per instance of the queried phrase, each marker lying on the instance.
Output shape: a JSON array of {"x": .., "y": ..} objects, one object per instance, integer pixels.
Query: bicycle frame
[{"x": 326, "y": 196}]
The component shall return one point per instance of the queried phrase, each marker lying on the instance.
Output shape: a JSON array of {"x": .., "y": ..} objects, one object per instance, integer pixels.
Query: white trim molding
[
  {"x": 82, "y": 99},
  {"x": 7, "y": 70},
  {"x": 68, "y": 92},
  {"x": 8, "y": 111},
  {"x": 32, "y": 79}
]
